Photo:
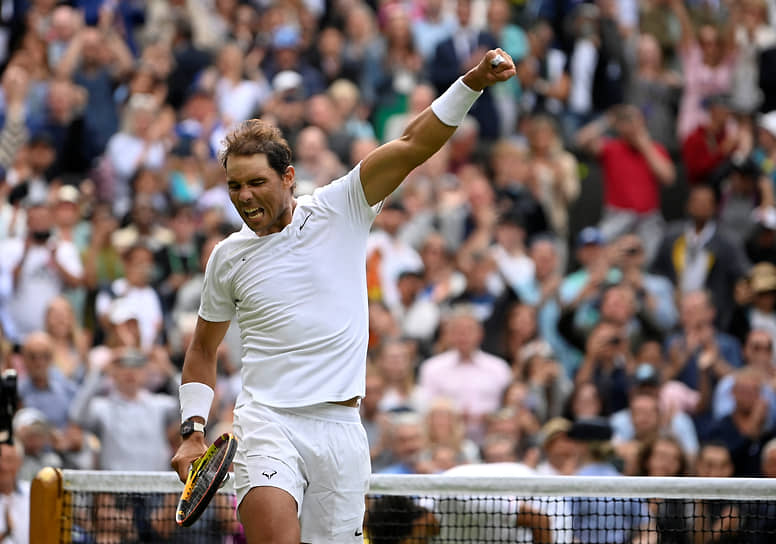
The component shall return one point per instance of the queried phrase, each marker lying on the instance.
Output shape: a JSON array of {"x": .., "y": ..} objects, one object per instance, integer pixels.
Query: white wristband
[
  {"x": 453, "y": 105},
  {"x": 196, "y": 399}
]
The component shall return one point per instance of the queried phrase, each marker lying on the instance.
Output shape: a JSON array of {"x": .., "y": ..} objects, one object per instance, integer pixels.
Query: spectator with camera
[
  {"x": 608, "y": 363},
  {"x": 135, "y": 427},
  {"x": 37, "y": 269},
  {"x": 631, "y": 155},
  {"x": 707, "y": 148}
]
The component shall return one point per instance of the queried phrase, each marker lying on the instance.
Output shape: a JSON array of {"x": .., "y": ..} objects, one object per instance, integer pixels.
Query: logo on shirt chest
[{"x": 305, "y": 220}]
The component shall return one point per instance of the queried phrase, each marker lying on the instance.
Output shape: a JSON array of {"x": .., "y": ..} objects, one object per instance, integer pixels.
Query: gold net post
[{"x": 46, "y": 496}]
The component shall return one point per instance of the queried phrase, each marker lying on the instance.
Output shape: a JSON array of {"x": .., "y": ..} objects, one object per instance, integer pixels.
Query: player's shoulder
[
  {"x": 232, "y": 244},
  {"x": 342, "y": 183}
]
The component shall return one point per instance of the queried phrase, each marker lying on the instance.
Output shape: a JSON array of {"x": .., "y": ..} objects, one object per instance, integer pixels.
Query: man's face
[
  {"x": 66, "y": 214},
  {"x": 665, "y": 460},
  {"x": 394, "y": 362},
  {"x": 500, "y": 451},
  {"x": 718, "y": 116},
  {"x": 128, "y": 379},
  {"x": 39, "y": 219},
  {"x": 463, "y": 10},
  {"x": 645, "y": 415},
  {"x": 10, "y": 462},
  {"x": 184, "y": 225},
  {"x": 408, "y": 441},
  {"x": 618, "y": 305},
  {"x": 138, "y": 266},
  {"x": 701, "y": 206},
  {"x": 746, "y": 391},
  {"x": 695, "y": 311},
  {"x": 545, "y": 259},
  {"x": 561, "y": 453},
  {"x": 589, "y": 254},
  {"x": 262, "y": 198},
  {"x": 92, "y": 47},
  {"x": 37, "y": 358},
  {"x": 466, "y": 334},
  {"x": 758, "y": 350},
  {"x": 715, "y": 462}
]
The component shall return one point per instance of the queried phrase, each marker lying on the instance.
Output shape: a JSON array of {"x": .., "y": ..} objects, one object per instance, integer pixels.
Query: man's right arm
[{"x": 199, "y": 364}]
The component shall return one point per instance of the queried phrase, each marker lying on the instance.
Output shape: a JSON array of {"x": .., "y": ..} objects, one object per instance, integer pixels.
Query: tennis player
[{"x": 294, "y": 278}]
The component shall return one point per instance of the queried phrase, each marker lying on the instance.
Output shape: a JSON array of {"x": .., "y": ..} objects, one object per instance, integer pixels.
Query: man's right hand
[{"x": 191, "y": 449}]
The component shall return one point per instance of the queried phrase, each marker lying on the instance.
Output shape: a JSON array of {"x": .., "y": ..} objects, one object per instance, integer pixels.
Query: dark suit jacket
[
  {"x": 446, "y": 67},
  {"x": 727, "y": 265}
]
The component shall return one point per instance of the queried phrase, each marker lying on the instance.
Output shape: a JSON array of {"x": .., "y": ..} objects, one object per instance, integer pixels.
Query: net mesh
[{"x": 141, "y": 508}]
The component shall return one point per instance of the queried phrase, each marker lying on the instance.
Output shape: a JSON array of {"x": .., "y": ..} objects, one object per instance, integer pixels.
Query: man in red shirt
[
  {"x": 633, "y": 168},
  {"x": 710, "y": 144}
]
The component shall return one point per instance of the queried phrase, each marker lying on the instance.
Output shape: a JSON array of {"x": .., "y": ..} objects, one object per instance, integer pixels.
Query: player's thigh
[
  {"x": 265, "y": 456},
  {"x": 334, "y": 504},
  {"x": 269, "y": 516}
]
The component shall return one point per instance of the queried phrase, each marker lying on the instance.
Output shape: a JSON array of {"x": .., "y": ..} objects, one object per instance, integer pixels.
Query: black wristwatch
[{"x": 190, "y": 426}]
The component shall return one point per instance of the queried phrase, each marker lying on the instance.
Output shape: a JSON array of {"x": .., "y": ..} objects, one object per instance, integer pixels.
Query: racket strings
[
  {"x": 206, "y": 475},
  {"x": 209, "y": 473}
]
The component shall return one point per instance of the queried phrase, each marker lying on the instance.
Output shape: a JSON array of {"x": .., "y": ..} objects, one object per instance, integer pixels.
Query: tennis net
[{"x": 108, "y": 507}]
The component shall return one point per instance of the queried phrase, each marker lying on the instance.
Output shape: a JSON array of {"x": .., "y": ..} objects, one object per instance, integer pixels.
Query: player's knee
[{"x": 269, "y": 516}]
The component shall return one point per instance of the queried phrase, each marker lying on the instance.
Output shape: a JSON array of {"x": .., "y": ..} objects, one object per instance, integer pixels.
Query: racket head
[{"x": 205, "y": 478}]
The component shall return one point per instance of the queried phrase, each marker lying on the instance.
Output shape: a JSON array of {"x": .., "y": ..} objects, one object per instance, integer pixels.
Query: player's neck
[{"x": 284, "y": 219}]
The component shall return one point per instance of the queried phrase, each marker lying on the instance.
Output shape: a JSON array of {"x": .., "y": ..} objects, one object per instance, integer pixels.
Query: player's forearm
[
  {"x": 199, "y": 365},
  {"x": 429, "y": 131},
  {"x": 424, "y": 136}
]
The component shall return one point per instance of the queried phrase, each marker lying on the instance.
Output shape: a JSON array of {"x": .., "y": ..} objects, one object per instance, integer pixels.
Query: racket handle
[{"x": 495, "y": 61}]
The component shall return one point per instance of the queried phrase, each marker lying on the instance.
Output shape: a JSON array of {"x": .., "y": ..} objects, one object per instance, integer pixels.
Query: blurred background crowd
[{"x": 597, "y": 240}]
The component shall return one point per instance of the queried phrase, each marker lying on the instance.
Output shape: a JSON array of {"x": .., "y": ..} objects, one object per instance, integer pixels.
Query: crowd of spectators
[{"x": 596, "y": 241}]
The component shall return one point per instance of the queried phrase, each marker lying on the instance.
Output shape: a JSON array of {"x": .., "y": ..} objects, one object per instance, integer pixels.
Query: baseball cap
[
  {"x": 596, "y": 429},
  {"x": 29, "y": 416},
  {"x": 286, "y": 37},
  {"x": 122, "y": 311},
  {"x": 554, "y": 427},
  {"x": 132, "y": 358},
  {"x": 511, "y": 217},
  {"x": 590, "y": 236},
  {"x": 646, "y": 374},
  {"x": 768, "y": 122},
  {"x": 763, "y": 277},
  {"x": 68, "y": 193},
  {"x": 286, "y": 80},
  {"x": 718, "y": 99},
  {"x": 411, "y": 273}
]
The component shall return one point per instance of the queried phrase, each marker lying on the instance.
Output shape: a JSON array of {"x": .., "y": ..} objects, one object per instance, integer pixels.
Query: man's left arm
[{"x": 386, "y": 167}]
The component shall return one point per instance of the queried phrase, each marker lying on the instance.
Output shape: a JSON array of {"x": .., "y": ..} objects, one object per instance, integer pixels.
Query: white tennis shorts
[{"x": 319, "y": 454}]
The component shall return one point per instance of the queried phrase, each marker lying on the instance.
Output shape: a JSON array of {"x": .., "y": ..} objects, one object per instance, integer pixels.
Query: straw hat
[{"x": 763, "y": 277}]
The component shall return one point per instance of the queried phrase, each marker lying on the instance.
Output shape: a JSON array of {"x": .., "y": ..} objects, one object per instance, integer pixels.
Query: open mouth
[{"x": 253, "y": 213}]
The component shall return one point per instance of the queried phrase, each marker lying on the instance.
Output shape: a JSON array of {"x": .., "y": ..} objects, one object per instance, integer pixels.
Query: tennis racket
[{"x": 206, "y": 475}]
